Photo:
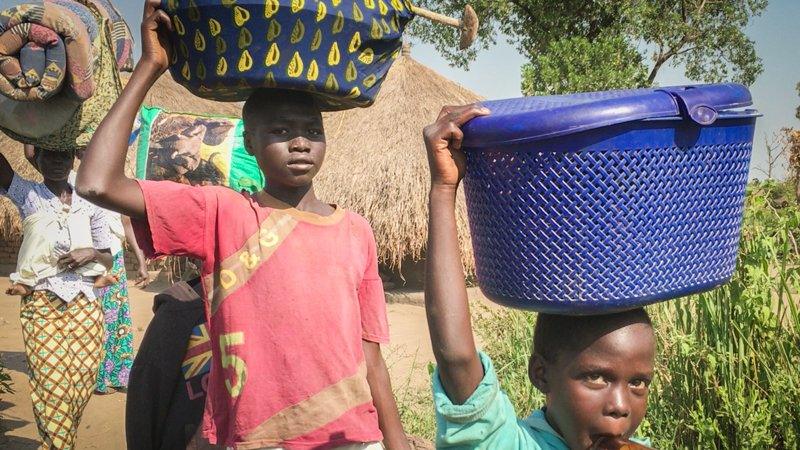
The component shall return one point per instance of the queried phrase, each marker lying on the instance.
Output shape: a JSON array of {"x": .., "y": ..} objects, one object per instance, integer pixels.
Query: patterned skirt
[
  {"x": 115, "y": 368},
  {"x": 63, "y": 346}
]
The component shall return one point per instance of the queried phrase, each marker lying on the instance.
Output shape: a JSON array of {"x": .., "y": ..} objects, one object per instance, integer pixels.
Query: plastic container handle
[{"x": 695, "y": 104}]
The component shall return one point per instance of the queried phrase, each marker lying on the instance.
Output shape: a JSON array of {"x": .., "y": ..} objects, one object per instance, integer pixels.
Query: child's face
[
  {"x": 602, "y": 389},
  {"x": 288, "y": 141}
]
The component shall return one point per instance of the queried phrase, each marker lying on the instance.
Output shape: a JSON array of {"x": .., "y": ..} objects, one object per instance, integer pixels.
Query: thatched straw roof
[
  {"x": 10, "y": 225},
  {"x": 166, "y": 94},
  {"x": 376, "y": 163},
  {"x": 171, "y": 96}
]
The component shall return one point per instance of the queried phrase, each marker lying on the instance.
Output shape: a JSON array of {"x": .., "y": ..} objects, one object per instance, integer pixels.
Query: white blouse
[{"x": 31, "y": 197}]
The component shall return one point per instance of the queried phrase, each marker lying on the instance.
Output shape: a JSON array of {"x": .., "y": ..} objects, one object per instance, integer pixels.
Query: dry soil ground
[{"x": 102, "y": 426}]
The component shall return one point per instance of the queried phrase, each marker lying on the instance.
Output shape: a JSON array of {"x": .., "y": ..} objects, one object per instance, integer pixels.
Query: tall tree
[
  {"x": 576, "y": 45},
  {"x": 706, "y": 36},
  {"x": 794, "y": 152},
  {"x": 797, "y": 112},
  {"x": 575, "y": 64}
]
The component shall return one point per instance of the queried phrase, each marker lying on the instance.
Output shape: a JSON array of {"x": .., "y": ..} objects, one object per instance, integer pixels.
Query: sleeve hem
[
  {"x": 141, "y": 228},
  {"x": 476, "y": 405},
  {"x": 376, "y": 338}
]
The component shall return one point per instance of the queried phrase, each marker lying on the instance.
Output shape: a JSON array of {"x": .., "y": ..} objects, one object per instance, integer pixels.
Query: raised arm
[
  {"x": 101, "y": 178},
  {"x": 30, "y": 155},
  {"x": 6, "y": 173},
  {"x": 446, "y": 305}
]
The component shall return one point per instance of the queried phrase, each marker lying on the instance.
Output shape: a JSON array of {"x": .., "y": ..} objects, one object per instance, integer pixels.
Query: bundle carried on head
[
  {"x": 59, "y": 63},
  {"x": 121, "y": 37},
  {"x": 340, "y": 50}
]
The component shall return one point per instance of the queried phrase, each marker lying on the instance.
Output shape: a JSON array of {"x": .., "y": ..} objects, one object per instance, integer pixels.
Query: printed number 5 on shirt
[{"x": 233, "y": 362}]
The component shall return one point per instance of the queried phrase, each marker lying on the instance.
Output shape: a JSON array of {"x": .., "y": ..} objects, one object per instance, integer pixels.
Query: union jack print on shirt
[{"x": 198, "y": 354}]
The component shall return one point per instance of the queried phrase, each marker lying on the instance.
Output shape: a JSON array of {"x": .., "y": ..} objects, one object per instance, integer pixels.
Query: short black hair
[
  {"x": 38, "y": 151},
  {"x": 555, "y": 335},
  {"x": 262, "y": 98}
]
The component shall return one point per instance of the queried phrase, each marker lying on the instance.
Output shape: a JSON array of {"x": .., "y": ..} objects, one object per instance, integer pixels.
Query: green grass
[
  {"x": 728, "y": 366},
  {"x": 728, "y": 373}
]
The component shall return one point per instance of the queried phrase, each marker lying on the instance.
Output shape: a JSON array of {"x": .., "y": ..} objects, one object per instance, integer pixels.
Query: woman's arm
[
  {"x": 394, "y": 438},
  {"x": 6, "y": 173},
  {"x": 142, "y": 276},
  {"x": 101, "y": 245},
  {"x": 101, "y": 178},
  {"x": 82, "y": 256},
  {"x": 104, "y": 257}
]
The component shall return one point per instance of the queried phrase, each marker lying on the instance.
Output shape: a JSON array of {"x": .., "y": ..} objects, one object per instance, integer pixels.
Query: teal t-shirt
[{"x": 487, "y": 420}]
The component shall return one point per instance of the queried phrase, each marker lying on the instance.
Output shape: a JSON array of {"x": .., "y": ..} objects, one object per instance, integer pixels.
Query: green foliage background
[
  {"x": 727, "y": 367},
  {"x": 584, "y": 45}
]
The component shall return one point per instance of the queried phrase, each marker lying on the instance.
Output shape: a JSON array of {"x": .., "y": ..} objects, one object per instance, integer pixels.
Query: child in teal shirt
[{"x": 595, "y": 371}]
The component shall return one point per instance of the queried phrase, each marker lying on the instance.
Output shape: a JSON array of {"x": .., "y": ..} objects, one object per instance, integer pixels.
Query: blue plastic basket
[{"x": 599, "y": 202}]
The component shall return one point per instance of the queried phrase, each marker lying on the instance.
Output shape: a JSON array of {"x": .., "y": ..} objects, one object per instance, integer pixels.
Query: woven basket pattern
[
  {"x": 611, "y": 229},
  {"x": 530, "y": 104}
]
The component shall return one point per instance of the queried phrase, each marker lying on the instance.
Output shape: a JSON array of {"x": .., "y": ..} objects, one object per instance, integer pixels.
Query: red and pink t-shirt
[{"x": 290, "y": 297}]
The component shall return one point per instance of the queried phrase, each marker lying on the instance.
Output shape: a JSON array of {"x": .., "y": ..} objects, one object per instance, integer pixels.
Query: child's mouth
[
  {"x": 300, "y": 165},
  {"x": 606, "y": 442}
]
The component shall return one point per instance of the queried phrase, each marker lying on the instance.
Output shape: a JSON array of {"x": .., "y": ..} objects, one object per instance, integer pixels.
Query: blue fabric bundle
[{"x": 340, "y": 50}]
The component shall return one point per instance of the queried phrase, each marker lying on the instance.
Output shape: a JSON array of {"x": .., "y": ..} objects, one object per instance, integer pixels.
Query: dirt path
[{"x": 103, "y": 423}]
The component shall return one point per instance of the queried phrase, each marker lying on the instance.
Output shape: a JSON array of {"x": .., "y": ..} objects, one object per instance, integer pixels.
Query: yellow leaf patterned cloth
[{"x": 339, "y": 50}]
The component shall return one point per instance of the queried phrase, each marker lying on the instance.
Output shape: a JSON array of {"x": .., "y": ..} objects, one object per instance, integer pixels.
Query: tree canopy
[
  {"x": 797, "y": 112},
  {"x": 580, "y": 45}
]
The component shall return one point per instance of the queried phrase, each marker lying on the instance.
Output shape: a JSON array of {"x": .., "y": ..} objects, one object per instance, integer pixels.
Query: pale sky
[{"x": 496, "y": 72}]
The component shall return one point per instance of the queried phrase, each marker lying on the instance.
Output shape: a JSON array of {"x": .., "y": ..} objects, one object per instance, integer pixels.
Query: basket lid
[{"x": 534, "y": 118}]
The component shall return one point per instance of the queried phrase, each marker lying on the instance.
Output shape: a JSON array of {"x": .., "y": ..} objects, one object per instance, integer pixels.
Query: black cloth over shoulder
[{"x": 167, "y": 387}]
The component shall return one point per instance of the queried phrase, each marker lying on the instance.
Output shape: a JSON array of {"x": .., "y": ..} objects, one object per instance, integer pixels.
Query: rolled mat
[
  {"x": 339, "y": 50},
  {"x": 63, "y": 30},
  {"x": 196, "y": 150},
  {"x": 120, "y": 34},
  {"x": 53, "y": 115}
]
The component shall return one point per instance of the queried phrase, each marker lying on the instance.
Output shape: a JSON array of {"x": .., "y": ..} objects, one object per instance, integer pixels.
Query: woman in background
[
  {"x": 115, "y": 368},
  {"x": 117, "y": 359},
  {"x": 118, "y": 341},
  {"x": 62, "y": 322}
]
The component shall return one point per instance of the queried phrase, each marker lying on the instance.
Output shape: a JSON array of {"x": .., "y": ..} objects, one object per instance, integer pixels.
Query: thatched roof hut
[
  {"x": 171, "y": 96},
  {"x": 10, "y": 225},
  {"x": 376, "y": 163},
  {"x": 166, "y": 94}
]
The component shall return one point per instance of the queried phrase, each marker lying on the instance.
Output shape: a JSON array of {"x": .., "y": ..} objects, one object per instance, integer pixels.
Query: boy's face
[
  {"x": 288, "y": 141},
  {"x": 602, "y": 389}
]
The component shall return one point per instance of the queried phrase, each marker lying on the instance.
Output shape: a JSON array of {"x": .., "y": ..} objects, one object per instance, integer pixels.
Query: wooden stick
[
  {"x": 468, "y": 23},
  {"x": 436, "y": 17}
]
